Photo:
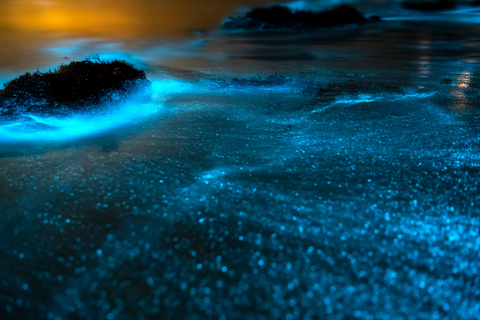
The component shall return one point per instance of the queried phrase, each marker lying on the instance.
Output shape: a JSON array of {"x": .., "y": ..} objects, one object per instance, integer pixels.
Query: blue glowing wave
[
  {"x": 464, "y": 15},
  {"x": 76, "y": 125}
]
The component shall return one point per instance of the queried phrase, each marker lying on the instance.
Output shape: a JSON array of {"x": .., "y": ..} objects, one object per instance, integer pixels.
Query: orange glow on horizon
[
  {"x": 29, "y": 26},
  {"x": 121, "y": 18}
]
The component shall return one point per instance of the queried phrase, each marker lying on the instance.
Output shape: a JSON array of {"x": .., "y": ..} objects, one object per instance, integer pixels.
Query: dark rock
[
  {"x": 446, "y": 81},
  {"x": 71, "y": 86},
  {"x": 375, "y": 19},
  {"x": 438, "y": 5},
  {"x": 280, "y": 17}
]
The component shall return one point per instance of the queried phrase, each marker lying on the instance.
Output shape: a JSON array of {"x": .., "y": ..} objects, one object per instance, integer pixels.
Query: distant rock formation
[
  {"x": 71, "y": 86},
  {"x": 280, "y": 17},
  {"x": 438, "y": 5}
]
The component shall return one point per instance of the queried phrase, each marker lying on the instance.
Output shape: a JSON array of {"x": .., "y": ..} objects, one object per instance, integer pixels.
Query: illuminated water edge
[{"x": 30, "y": 127}]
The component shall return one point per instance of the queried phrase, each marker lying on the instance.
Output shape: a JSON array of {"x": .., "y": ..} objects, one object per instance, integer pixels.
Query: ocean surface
[{"x": 330, "y": 174}]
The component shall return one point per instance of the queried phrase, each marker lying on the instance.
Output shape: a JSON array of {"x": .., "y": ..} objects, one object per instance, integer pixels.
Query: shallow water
[{"x": 224, "y": 200}]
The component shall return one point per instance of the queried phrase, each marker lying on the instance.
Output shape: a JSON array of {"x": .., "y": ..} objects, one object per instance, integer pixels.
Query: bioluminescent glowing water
[
  {"x": 463, "y": 15},
  {"x": 270, "y": 175}
]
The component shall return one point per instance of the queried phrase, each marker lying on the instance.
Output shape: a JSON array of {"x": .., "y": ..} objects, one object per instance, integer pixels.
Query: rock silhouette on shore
[
  {"x": 71, "y": 86},
  {"x": 281, "y": 17}
]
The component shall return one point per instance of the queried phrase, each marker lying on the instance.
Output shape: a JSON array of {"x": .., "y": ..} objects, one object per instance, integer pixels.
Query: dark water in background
[{"x": 221, "y": 201}]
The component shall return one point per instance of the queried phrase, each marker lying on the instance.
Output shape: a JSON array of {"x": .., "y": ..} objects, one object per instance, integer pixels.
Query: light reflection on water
[{"x": 462, "y": 84}]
